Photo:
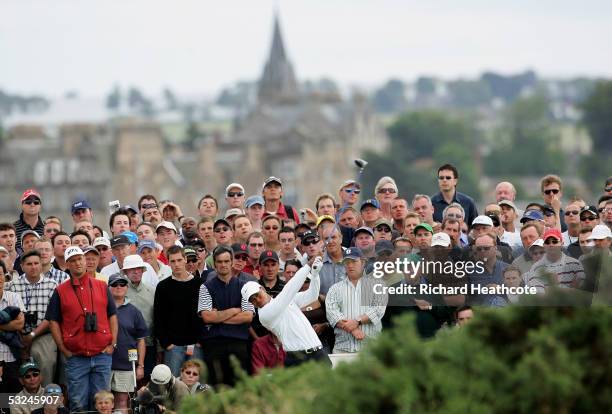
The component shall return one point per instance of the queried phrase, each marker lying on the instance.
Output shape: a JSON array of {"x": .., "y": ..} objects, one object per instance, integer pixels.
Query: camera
[
  {"x": 31, "y": 318},
  {"x": 147, "y": 403},
  {"x": 91, "y": 322},
  {"x": 113, "y": 206}
]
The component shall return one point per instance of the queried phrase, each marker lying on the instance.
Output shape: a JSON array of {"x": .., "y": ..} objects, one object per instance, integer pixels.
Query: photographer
[
  {"x": 35, "y": 291},
  {"x": 83, "y": 321},
  {"x": 167, "y": 391}
]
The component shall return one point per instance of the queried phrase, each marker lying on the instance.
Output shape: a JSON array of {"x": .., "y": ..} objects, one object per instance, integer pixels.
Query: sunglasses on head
[
  {"x": 445, "y": 177},
  {"x": 552, "y": 241},
  {"x": 119, "y": 284},
  {"x": 386, "y": 191},
  {"x": 308, "y": 242},
  {"x": 383, "y": 229},
  {"x": 551, "y": 191},
  {"x": 221, "y": 229},
  {"x": 352, "y": 190},
  {"x": 30, "y": 375},
  {"x": 572, "y": 213},
  {"x": 235, "y": 194},
  {"x": 149, "y": 205}
]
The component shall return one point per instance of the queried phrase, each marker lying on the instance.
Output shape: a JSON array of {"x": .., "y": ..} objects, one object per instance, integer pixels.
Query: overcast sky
[{"x": 199, "y": 46}]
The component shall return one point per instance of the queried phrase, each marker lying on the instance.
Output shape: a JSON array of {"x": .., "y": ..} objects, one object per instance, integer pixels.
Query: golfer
[{"x": 282, "y": 314}]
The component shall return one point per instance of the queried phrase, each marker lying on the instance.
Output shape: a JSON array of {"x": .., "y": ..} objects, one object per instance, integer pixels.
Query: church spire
[{"x": 277, "y": 83}]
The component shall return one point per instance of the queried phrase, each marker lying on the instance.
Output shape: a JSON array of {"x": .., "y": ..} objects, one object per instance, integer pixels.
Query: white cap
[
  {"x": 600, "y": 232},
  {"x": 133, "y": 261},
  {"x": 3, "y": 249},
  {"x": 166, "y": 225},
  {"x": 234, "y": 185},
  {"x": 72, "y": 251},
  {"x": 484, "y": 220},
  {"x": 101, "y": 241},
  {"x": 233, "y": 212},
  {"x": 440, "y": 239},
  {"x": 161, "y": 374},
  {"x": 249, "y": 289},
  {"x": 537, "y": 243}
]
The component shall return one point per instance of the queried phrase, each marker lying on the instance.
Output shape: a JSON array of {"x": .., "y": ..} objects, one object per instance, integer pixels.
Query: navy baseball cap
[
  {"x": 78, "y": 205},
  {"x": 370, "y": 202},
  {"x": 353, "y": 253},
  {"x": 268, "y": 255},
  {"x": 240, "y": 248},
  {"x": 119, "y": 241},
  {"x": 144, "y": 244},
  {"x": 364, "y": 229},
  {"x": 532, "y": 215}
]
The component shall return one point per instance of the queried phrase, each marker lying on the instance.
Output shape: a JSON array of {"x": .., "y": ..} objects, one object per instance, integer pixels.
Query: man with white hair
[
  {"x": 505, "y": 191},
  {"x": 283, "y": 317}
]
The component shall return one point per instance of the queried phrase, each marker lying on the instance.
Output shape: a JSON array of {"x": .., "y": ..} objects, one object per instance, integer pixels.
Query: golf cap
[
  {"x": 323, "y": 218},
  {"x": 253, "y": 200},
  {"x": 120, "y": 240},
  {"x": 146, "y": 244},
  {"x": 117, "y": 277},
  {"x": 352, "y": 253},
  {"x": 364, "y": 229},
  {"x": 425, "y": 226},
  {"x": 161, "y": 374},
  {"x": 440, "y": 239},
  {"x": 221, "y": 221},
  {"x": 30, "y": 192},
  {"x": 532, "y": 215},
  {"x": 240, "y": 248},
  {"x": 71, "y": 252},
  {"x": 249, "y": 289},
  {"x": 383, "y": 246},
  {"x": 101, "y": 241},
  {"x": 600, "y": 232},
  {"x": 508, "y": 203},
  {"x": 556, "y": 233},
  {"x": 589, "y": 209},
  {"x": 272, "y": 180},
  {"x": 233, "y": 212},
  {"x": 166, "y": 225},
  {"x": 234, "y": 185},
  {"x": 90, "y": 249},
  {"x": 351, "y": 183},
  {"x": 28, "y": 366},
  {"x": 29, "y": 232},
  {"x": 268, "y": 255},
  {"x": 483, "y": 221},
  {"x": 370, "y": 202},
  {"x": 133, "y": 261},
  {"x": 79, "y": 205},
  {"x": 537, "y": 243}
]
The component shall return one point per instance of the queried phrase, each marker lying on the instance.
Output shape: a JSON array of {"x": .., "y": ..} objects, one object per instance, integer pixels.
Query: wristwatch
[
  {"x": 359, "y": 322},
  {"x": 33, "y": 334}
]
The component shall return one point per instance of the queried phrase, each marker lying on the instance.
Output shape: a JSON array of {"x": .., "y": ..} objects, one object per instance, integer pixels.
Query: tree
[
  {"x": 391, "y": 97},
  {"x": 113, "y": 99},
  {"x": 526, "y": 142},
  {"x": 597, "y": 118},
  {"x": 170, "y": 98}
]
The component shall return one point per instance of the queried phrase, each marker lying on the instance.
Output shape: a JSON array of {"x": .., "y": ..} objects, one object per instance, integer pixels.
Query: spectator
[
  {"x": 267, "y": 352},
  {"x": 223, "y": 233},
  {"x": 508, "y": 217},
  {"x": 175, "y": 321},
  {"x": 272, "y": 192},
  {"x": 370, "y": 211},
  {"x": 234, "y": 196},
  {"x": 208, "y": 207},
  {"x": 448, "y": 177},
  {"x": 530, "y": 232},
  {"x": 152, "y": 214},
  {"x": 226, "y": 317},
  {"x": 29, "y": 218},
  {"x": 325, "y": 205},
  {"x": 242, "y": 228},
  {"x": 167, "y": 236},
  {"x": 11, "y": 324},
  {"x": 464, "y": 315},
  {"x": 490, "y": 273},
  {"x": 86, "y": 341},
  {"x": 349, "y": 193},
  {"x": 332, "y": 271},
  {"x": 422, "y": 205},
  {"x": 399, "y": 209},
  {"x": 35, "y": 291},
  {"x": 256, "y": 245},
  {"x": 349, "y": 217},
  {"x": 505, "y": 191},
  {"x": 31, "y": 379},
  {"x": 383, "y": 230},
  {"x": 166, "y": 386},
  {"x": 28, "y": 239},
  {"x": 353, "y": 312},
  {"x": 364, "y": 241},
  {"x": 147, "y": 250},
  {"x": 104, "y": 402},
  {"x": 192, "y": 373},
  {"x": 254, "y": 206},
  {"x": 552, "y": 192},
  {"x": 103, "y": 246},
  {"x": 422, "y": 236},
  {"x": 45, "y": 248},
  {"x": 271, "y": 227},
  {"x": 54, "y": 404},
  {"x": 455, "y": 211},
  {"x": 132, "y": 333},
  {"x": 8, "y": 240},
  {"x": 288, "y": 247},
  {"x": 572, "y": 219},
  {"x": 53, "y": 225},
  {"x": 268, "y": 263},
  {"x": 122, "y": 248},
  {"x": 92, "y": 258},
  {"x": 81, "y": 210}
]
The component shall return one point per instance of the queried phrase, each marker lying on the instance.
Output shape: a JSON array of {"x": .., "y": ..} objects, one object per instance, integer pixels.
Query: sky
[{"x": 201, "y": 46}]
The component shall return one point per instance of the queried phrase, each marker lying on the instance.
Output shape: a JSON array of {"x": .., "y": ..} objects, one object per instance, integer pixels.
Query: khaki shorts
[{"x": 122, "y": 381}]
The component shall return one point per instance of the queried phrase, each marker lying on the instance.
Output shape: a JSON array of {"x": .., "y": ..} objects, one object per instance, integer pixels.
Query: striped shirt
[
  {"x": 9, "y": 299},
  {"x": 35, "y": 297},
  {"x": 205, "y": 302},
  {"x": 567, "y": 272},
  {"x": 347, "y": 301},
  {"x": 21, "y": 226},
  {"x": 56, "y": 274}
]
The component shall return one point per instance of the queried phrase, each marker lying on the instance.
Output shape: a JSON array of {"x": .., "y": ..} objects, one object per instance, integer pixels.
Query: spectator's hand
[
  {"x": 317, "y": 264},
  {"x": 319, "y": 328},
  {"x": 169, "y": 347},
  {"x": 358, "y": 334},
  {"x": 310, "y": 215},
  {"x": 422, "y": 304},
  {"x": 351, "y": 325},
  {"x": 66, "y": 352},
  {"x": 555, "y": 203},
  {"x": 109, "y": 349}
]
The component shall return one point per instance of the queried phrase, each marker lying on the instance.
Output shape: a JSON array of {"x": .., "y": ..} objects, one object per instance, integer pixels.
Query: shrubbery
[{"x": 514, "y": 360}]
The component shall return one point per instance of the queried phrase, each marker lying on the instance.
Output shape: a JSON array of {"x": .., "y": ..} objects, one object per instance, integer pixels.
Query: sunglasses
[
  {"x": 148, "y": 205},
  {"x": 308, "y": 242},
  {"x": 588, "y": 218},
  {"x": 552, "y": 241},
  {"x": 386, "y": 191},
  {"x": 271, "y": 228},
  {"x": 383, "y": 229},
  {"x": 549, "y": 213},
  {"x": 352, "y": 190},
  {"x": 551, "y": 191},
  {"x": 572, "y": 213},
  {"x": 445, "y": 177},
  {"x": 119, "y": 284},
  {"x": 483, "y": 248},
  {"x": 241, "y": 257},
  {"x": 201, "y": 250},
  {"x": 30, "y": 202},
  {"x": 608, "y": 189},
  {"x": 192, "y": 260},
  {"x": 32, "y": 375},
  {"x": 221, "y": 229},
  {"x": 235, "y": 194},
  {"x": 191, "y": 373},
  {"x": 256, "y": 245}
]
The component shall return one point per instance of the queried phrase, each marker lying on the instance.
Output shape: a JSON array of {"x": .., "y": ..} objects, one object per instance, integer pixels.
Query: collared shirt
[
  {"x": 274, "y": 290},
  {"x": 439, "y": 204},
  {"x": 348, "y": 301},
  {"x": 567, "y": 271},
  {"x": 21, "y": 226},
  {"x": 132, "y": 327},
  {"x": 281, "y": 263},
  {"x": 143, "y": 298},
  {"x": 164, "y": 270},
  {"x": 9, "y": 299},
  {"x": 484, "y": 278},
  {"x": 28, "y": 407},
  {"x": 567, "y": 239},
  {"x": 283, "y": 316},
  {"x": 35, "y": 297},
  {"x": 56, "y": 274},
  {"x": 331, "y": 273},
  {"x": 266, "y": 354},
  {"x": 149, "y": 276},
  {"x": 523, "y": 262},
  {"x": 513, "y": 239}
]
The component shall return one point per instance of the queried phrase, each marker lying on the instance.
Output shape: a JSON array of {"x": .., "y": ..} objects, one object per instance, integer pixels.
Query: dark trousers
[
  {"x": 10, "y": 378},
  {"x": 217, "y": 353},
  {"x": 296, "y": 358}
]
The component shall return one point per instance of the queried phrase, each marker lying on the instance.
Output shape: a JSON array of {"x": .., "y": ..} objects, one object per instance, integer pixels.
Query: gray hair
[
  {"x": 383, "y": 181},
  {"x": 419, "y": 196},
  {"x": 453, "y": 205}
]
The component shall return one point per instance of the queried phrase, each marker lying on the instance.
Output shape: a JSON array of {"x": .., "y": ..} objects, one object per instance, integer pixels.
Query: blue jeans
[
  {"x": 85, "y": 376},
  {"x": 175, "y": 357}
]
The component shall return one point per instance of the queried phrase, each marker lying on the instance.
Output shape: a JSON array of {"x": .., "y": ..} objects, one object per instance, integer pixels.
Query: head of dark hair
[
  {"x": 59, "y": 233},
  {"x": 174, "y": 250},
  {"x": 603, "y": 198},
  {"x": 208, "y": 196},
  {"x": 30, "y": 253},
  {"x": 119, "y": 212},
  {"x": 449, "y": 167},
  {"x": 461, "y": 309},
  {"x": 293, "y": 262},
  {"x": 146, "y": 197},
  {"x": 7, "y": 226},
  {"x": 286, "y": 230},
  {"x": 219, "y": 250},
  {"x": 82, "y": 233}
]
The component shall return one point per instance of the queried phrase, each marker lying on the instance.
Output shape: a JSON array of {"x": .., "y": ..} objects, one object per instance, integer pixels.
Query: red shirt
[
  {"x": 282, "y": 213},
  {"x": 68, "y": 305},
  {"x": 265, "y": 354},
  {"x": 162, "y": 258}
]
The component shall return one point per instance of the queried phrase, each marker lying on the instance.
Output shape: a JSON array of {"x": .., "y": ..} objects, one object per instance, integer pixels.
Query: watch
[
  {"x": 359, "y": 322},
  {"x": 33, "y": 334}
]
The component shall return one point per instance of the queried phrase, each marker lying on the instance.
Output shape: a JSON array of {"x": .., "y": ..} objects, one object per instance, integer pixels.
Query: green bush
[{"x": 514, "y": 360}]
